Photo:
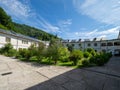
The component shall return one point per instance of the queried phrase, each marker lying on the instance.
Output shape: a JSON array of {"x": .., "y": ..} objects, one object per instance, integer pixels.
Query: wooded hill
[{"x": 6, "y": 23}]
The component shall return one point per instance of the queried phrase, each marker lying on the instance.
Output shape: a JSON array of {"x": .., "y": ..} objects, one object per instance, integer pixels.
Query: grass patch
[
  {"x": 65, "y": 63},
  {"x": 46, "y": 61}
]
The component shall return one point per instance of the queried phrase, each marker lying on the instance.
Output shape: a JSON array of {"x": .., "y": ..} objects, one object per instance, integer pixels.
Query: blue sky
[{"x": 69, "y": 19}]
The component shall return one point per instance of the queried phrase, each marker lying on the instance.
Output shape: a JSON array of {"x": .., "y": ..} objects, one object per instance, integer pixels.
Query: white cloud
[
  {"x": 64, "y": 26},
  {"x": 108, "y": 34},
  {"x": 16, "y": 8},
  {"x": 46, "y": 25},
  {"x": 102, "y": 36},
  {"x": 65, "y": 23},
  {"x": 103, "y": 11},
  {"x": 93, "y": 32}
]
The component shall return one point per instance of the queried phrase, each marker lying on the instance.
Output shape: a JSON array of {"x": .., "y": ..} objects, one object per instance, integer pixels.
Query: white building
[
  {"x": 112, "y": 45},
  {"x": 17, "y": 40}
]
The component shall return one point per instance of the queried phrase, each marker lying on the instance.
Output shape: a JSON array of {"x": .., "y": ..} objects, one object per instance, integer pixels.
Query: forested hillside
[{"x": 6, "y": 23}]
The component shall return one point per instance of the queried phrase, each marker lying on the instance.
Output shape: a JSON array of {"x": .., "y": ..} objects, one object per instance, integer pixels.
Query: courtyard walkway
[{"x": 17, "y": 75}]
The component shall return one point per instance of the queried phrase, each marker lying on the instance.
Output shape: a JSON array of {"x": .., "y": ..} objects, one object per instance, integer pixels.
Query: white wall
[
  {"x": 84, "y": 45},
  {"x": 15, "y": 41}
]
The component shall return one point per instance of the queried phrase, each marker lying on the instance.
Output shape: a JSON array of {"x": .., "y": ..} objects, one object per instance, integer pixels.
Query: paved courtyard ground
[{"x": 17, "y": 75}]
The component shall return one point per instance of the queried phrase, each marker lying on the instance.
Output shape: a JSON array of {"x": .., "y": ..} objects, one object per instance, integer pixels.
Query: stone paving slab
[{"x": 32, "y": 76}]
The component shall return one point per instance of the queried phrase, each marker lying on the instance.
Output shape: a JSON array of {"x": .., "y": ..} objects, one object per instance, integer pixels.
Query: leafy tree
[
  {"x": 7, "y": 47},
  {"x": 8, "y": 50},
  {"x": 22, "y": 53},
  {"x": 86, "y": 54},
  {"x": 91, "y": 51},
  {"x": 70, "y": 47},
  {"x": 63, "y": 54},
  {"x": 52, "y": 50},
  {"x": 33, "y": 50},
  {"x": 40, "y": 50}
]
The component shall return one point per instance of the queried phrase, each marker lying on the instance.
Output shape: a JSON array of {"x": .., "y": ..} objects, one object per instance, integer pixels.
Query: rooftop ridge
[{"x": 18, "y": 34}]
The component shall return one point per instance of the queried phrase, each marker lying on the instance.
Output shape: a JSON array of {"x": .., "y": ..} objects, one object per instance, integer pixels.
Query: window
[
  {"x": 95, "y": 44},
  {"x": 73, "y": 45},
  {"x": 79, "y": 44},
  {"x": 89, "y": 44},
  {"x": 67, "y": 44},
  {"x": 24, "y": 42},
  {"x": 109, "y": 44},
  {"x": 116, "y": 43},
  {"x": 103, "y": 44},
  {"x": 8, "y": 40},
  {"x": 103, "y": 50}
]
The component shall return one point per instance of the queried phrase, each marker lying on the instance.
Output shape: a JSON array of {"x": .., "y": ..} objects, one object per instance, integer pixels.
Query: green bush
[
  {"x": 75, "y": 56},
  {"x": 8, "y": 50},
  {"x": 22, "y": 52},
  {"x": 11, "y": 52},
  {"x": 52, "y": 53},
  {"x": 86, "y": 54},
  {"x": 63, "y": 54},
  {"x": 18, "y": 56},
  {"x": 33, "y": 58},
  {"x": 91, "y": 51},
  {"x": 92, "y": 60},
  {"x": 0, "y": 50},
  {"x": 85, "y": 62},
  {"x": 100, "y": 61},
  {"x": 101, "y": 58}
]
